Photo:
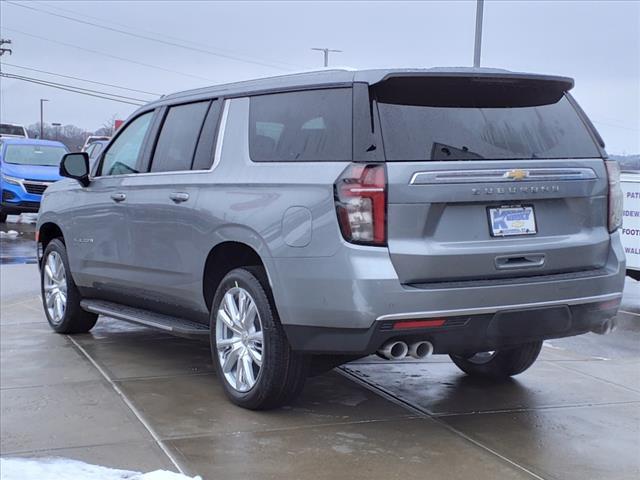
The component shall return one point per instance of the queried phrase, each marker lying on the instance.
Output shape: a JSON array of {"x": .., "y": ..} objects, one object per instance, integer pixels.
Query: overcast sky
[{"x": 596, "y": 42}]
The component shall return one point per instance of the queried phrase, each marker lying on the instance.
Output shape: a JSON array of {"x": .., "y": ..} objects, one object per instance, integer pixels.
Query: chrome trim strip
[
  {"x": 216, "y": 157},
  {"x": 501, "y": 175},
  {"x": 220, "y": 138},
  {"x": 497, "y": 308},
  {"x": 36, "y": 182}
]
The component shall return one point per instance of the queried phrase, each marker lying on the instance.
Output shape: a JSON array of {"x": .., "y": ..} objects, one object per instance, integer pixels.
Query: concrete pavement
[{"x": 128, "y": 397}]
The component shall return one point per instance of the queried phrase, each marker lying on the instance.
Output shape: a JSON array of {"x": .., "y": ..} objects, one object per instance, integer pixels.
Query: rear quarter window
[{"x": 307, "y": 126}]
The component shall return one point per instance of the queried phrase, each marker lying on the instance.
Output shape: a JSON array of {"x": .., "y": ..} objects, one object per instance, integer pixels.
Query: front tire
[
  {"x": 253, "y": 359},
  {"x": 499, "y": 364},
  {"x": 60, "y": 295}
]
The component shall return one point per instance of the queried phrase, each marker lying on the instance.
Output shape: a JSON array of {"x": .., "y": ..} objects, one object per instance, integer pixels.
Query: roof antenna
[{"x": 478, "y": 45}]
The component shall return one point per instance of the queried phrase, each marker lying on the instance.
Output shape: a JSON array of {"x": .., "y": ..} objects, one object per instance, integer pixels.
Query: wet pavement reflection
[
  {"x": 17, "y": 239},
  {"x": 575, "y": 415}
]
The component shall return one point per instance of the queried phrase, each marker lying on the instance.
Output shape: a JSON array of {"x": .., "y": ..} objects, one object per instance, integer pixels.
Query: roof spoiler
[
  {"x": 470, "y": 89},
  {"x": 564, "y": 83}
]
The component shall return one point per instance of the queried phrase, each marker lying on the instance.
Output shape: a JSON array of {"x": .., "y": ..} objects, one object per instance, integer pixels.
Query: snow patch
[
  {"x": 65, "y": 469},
  {"x": 10, "y": 234}
]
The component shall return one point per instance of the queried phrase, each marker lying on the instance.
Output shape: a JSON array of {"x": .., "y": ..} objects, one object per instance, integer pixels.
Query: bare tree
[{"x": 108, "y": 127}]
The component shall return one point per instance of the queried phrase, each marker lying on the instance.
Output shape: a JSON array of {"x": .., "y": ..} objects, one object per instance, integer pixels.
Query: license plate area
[{"x": 510, "y": 220}]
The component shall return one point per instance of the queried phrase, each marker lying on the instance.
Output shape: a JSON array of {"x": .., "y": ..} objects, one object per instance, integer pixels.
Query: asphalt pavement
[{"x": 129, "y": 397}]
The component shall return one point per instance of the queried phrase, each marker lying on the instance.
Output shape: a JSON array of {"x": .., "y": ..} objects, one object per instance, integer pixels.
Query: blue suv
[{"x": 28, "y": 167}]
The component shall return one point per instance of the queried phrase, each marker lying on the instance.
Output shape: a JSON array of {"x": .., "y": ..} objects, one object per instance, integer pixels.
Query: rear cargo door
[{"x": 490, "y": 179}]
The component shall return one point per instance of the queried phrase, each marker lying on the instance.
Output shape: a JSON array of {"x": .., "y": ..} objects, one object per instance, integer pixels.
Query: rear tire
[
  {"x": 245, "y": 328},
  {"x": 60, "y": 295},
  {"x": 500, "y": 364},
  {"x": 3, "y": 217}
]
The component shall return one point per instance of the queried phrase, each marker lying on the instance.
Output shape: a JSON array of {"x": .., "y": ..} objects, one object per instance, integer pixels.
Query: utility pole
[
  {"x": 478, "y": 45},
  {"x": 42, "y": 100},
  {"x": 326, "y": 54}
]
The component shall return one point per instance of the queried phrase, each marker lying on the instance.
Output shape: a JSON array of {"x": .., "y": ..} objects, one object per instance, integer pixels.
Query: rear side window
[
  {"x": 179, "y": 135},
  {"x": 463, "y": 120},
  {"x": 309, "y": 126}
]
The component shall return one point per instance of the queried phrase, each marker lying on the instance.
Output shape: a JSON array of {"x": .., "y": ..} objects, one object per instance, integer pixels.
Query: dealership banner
[{"x": 630, "y": 183}]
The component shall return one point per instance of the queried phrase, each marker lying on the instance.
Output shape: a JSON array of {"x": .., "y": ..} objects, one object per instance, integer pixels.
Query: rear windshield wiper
[{"x": 442, "y": 151}]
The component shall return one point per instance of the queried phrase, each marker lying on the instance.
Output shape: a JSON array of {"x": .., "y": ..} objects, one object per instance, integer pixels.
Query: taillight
[
  {"x": 615, "y": 195},
  {"x": 361, "y": 203}
]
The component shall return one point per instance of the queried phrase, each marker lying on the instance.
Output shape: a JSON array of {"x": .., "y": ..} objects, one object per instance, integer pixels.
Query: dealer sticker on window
[{"x": 512, "y": 220}]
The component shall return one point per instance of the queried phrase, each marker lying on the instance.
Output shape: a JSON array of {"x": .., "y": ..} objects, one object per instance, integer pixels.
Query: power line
[
  {"x": 164, "y": 35},
  {"x": 144, "y": 37},
  {"x": 16, "y": 76},
  {"x": 97, "y": 52},
  {"x": 78, "y": 78},
  {"x": 71, "y": 89}
]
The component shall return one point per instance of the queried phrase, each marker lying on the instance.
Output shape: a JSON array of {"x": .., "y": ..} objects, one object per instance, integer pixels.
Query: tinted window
[
  {"x": 206, "y": 145},
  {"x": 17, "y": 130},
  {"x": 124, "y": 153},
  {"x": 477, "y": 124},
  {"x": 96, "y": 148},
  {"x": 301, "y": 126},
  {"x": 178, "y": 137},
  {"x": 90, "y": 149}
]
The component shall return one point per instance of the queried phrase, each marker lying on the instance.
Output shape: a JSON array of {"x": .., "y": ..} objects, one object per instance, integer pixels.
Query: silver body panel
[{"x": 440, "y": 258}]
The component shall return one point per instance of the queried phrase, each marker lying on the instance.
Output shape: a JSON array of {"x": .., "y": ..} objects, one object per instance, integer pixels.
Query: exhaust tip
[
  {"x": 394, "y": 350},
  {"x": 420, "y": 350}
]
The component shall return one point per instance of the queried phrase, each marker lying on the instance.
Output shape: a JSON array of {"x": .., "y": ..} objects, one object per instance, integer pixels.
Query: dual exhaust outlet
[{"x": 397, "y": 350}]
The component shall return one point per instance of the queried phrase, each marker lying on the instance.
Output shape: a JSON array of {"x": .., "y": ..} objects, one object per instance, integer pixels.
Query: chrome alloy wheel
[
  {"x": 239, "y": 339},
  {"x": 55, "y": 287}
]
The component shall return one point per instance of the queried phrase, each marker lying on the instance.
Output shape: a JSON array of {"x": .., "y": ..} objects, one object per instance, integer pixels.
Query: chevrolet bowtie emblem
[{"x": 516, "y": 174}]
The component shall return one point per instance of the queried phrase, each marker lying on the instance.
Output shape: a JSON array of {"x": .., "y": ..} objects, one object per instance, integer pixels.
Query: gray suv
[{"x": 307, "y": 220}]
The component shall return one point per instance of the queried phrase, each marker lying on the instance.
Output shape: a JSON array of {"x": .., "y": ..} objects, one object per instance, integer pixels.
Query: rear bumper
[
  {"x": 471, "y": 333},
  {"x": 340, "y": 304}
]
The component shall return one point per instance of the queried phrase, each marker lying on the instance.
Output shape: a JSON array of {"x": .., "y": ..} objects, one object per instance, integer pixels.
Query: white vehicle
[
  {"x": 93, "y": 138},
  {"x": 630, "y": 183},
  {"x": 12, "y": 130}
]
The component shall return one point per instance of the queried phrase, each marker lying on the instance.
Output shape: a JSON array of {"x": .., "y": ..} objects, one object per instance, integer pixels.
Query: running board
[{"x": 174, "y": 325}]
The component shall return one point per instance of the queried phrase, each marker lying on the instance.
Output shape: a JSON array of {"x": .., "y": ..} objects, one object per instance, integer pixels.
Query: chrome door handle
[
  {"x": 179, "y": 197},
  {"x": 118, "y": 197}
]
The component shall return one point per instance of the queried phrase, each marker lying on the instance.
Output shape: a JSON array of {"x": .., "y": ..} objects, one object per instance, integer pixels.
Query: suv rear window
[
  {"x": 6, "y": 129},
  {"x": 308, "y": 126},
  {"x": 468, "y": 120}
]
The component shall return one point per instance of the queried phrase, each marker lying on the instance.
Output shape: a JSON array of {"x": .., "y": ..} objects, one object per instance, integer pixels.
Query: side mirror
[{"x": 76, "y": 165}]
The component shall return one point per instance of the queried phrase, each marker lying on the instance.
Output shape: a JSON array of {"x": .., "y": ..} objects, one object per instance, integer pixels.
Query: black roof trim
[{"x": 342, "y": 77}]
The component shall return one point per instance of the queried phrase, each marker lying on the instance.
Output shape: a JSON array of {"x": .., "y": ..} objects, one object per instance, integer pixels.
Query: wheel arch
[
  {"x": 224, "y": 257},
  {"x": 45, "y": 233}
]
